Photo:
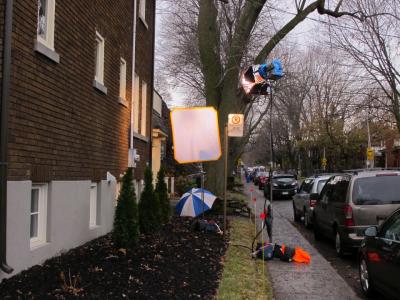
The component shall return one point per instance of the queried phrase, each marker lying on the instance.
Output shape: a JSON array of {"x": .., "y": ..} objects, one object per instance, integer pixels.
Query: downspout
[
  {"x": 3, "y": 134},
  {"x": 152, "y": 91},
  {"x": 133, "y": 70}
]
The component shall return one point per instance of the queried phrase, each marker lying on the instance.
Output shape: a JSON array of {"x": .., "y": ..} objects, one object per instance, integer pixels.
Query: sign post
[
  {"x": 225, "y": 172},
  {"x": 234, "y": 128},
  {"x": 370, "y": 154}
]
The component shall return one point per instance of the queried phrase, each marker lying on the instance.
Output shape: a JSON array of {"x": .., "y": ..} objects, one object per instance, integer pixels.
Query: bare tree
[
  {"x": 373, "y": 45},
  {"x": 229, "y": 35}
]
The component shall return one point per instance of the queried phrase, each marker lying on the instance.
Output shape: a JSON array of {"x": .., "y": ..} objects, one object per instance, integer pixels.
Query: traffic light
[{"x": 254, "y": 79}]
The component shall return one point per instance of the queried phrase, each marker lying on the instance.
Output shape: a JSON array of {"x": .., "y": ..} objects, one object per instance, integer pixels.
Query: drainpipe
[
  {"x": 3, "y": 134},
  {"x": 133, "y": 70},
  {"x": 152, "y": 91}
]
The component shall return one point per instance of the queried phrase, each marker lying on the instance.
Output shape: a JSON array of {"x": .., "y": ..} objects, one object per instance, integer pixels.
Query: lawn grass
[{"x": 243, "y": 277}]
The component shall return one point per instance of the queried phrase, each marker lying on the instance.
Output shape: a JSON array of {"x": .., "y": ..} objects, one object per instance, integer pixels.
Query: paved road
[{"x": 319, "y": 280}]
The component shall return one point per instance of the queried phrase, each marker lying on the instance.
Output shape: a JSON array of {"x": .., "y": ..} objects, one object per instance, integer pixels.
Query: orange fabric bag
[{"x": 301, "y": 256}]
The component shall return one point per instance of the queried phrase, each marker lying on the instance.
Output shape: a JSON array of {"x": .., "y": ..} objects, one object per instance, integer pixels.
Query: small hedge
[{"x": 126, "y": 228}]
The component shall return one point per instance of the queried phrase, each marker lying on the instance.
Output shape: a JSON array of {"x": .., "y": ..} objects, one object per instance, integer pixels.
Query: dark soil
[{"x": 177, "y": 263}]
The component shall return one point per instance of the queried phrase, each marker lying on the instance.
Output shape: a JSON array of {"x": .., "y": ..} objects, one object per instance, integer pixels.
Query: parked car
[
  {"x": 349, "y": 203},
  {"x": 256, "y": 177},
  {"x": 283, "y": 186},
  {"x": 306, "y": 198},
  {"x": 379, "y": 258},
  {"x": 262, "y": 179}
]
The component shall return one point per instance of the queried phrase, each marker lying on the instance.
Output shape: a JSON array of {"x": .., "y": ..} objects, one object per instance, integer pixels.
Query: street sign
[
  {"x": 235, "y": 125},
  {"x": 324, "y": 162},
  {"x": 370, "y": 153},
  {"x": 195, "y": 134}
]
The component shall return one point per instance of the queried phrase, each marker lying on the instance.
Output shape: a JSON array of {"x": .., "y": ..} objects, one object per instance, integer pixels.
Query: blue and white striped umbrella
[{"x": 190, "y": 204}]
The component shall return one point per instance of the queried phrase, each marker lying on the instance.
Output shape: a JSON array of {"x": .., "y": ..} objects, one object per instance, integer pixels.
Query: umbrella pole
[{"x": 202, "y": 193}]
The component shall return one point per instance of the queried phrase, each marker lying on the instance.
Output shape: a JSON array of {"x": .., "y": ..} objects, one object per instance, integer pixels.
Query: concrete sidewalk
[{"x": 318, "y": 280}]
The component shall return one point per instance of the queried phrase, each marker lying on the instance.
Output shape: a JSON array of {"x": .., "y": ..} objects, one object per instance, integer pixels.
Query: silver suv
[
  {"x": 306, "y": 198},
  {"x": 351, "y": 202}
]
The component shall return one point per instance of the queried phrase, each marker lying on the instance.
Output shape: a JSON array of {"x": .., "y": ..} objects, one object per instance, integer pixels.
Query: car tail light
[
  {"x": 313, "y": 201},
  {"x": 348, "y": 214},
  {"x": 373, "y": 256}
]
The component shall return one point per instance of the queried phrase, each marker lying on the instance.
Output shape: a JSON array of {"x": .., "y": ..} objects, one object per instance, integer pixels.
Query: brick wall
[
  {"x": 2, "y": 7},
  {"x": 61, "y": 127},
  {"x": 144, "y": 68}
]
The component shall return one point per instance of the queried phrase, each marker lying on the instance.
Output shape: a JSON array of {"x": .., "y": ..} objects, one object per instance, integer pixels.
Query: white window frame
[
  {"x": 142, "y": 12},
  {"x": 144, "y": 109},
  {"x": 48, "y": 40},
  {"x": 93, "y": 220},
  {"x": 136, "y": 104},
  {"x": 99, "y": 59},
  {"x": 40, "y": 239},
  {"x": 122, "y": 79}
]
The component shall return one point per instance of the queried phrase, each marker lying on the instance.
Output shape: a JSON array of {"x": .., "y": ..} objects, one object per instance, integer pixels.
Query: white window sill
[
  {"x": 122, "y": 101},
  {"x": 46, "y": 51},
  {"x": 100, "y": 87},
  {"x": 37, "y": 244},
  {"x": 141, "y": 137},
  {"x": 143, "y": 19}
]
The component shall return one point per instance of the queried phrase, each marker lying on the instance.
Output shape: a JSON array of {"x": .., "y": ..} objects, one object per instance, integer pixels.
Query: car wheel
[
  {"x": 339, "y": 245},
  {"x": 306, "y": 219},
  {"x": 296, "y": 216},
  {"x": 317, "y": 233},
  {"x": 365, "y": 278}
]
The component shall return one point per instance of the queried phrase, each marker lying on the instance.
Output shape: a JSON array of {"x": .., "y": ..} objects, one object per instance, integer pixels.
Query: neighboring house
[
  {"x": 162, "y": 142},
  {"x": 389, "y": 154},
  {"x": 72, "y": 128}
]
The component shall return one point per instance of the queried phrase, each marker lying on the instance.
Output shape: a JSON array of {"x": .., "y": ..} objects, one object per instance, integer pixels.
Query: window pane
[
  {"x": 321, "y": 184},
  {"x": 34, "y": 225},
  {"x": 377, "y": 190},
  {"x": 34, "y": 200},
  {"x": 393, "y": 232},
  {"x": 97, "y": 62},
  {"x": 142, "y": 8},
  {"x": 42, "y": 18}
]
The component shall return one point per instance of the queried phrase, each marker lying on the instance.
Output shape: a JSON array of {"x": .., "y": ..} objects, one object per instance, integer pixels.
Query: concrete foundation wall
[{"x": 68, "y": 210}]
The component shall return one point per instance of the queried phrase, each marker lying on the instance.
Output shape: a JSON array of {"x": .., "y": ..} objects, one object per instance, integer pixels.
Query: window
[
  {"x": 144, "y": 109},
  {"x": 142, "y": 11},
  {"x": 93, "y": 205},
  {"x": 38, "y": 215},
  {"x": 45, "y": 26},
  {"x": 136, "y": 105},
  {"x": 163, "y": 151},
  {"x": 99, "y": 72},
  {"x": 122, "y": 79},
  {"x": 320, "y": 185},
  {"x": 340, "y": 190},
  {"x": 327, "y": 191},
  {"x": 391, "y": 231},
  {"x": 365, "y": 191}
]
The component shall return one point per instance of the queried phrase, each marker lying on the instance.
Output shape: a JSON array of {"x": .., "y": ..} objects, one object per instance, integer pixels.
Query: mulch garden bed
[{"x": 176, "y": 263}]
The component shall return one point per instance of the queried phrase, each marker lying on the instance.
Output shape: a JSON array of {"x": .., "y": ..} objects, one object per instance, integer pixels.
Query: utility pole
[{"x": 370, "y": 162}]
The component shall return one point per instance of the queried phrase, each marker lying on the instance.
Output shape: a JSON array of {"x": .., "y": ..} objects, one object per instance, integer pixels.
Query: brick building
[
  {"x": 78, "y": 113},
  {"x": 162, "y": 150}
]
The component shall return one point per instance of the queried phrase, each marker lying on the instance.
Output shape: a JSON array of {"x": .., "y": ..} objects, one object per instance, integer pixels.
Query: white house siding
[{"x": 68, "y": 207}]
